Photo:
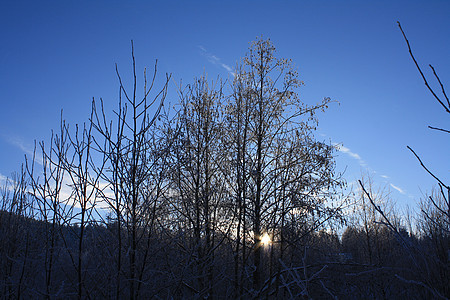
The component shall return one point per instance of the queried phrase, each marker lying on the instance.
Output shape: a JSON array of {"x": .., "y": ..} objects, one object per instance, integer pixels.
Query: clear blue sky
[{"x": 59, "y": 54}]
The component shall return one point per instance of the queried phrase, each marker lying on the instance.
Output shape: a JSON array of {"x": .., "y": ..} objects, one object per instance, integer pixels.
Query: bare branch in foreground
[
  {"x": 426, "y": 169},
  {"x": 440, "y": 129},
  {"x": 447, "y": 109}
]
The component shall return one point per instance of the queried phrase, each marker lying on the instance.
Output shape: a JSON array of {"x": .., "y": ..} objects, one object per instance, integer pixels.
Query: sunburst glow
[{"x": 265, "y": 239}]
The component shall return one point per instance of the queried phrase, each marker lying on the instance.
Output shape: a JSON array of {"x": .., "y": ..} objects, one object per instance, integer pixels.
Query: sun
[{"x": 265, "y": 239}]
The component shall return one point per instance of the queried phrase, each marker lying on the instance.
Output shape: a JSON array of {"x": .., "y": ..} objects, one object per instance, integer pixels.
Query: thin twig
[
  {"x": 440, "y": 129},
  {"x": 433, "y": 291},
  {"x": 442, "y": 86},
  {"x": 426, "y": 169}
]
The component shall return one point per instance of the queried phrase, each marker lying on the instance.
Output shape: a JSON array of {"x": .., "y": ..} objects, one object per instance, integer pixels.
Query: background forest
[{"x": 226, "y": 194}]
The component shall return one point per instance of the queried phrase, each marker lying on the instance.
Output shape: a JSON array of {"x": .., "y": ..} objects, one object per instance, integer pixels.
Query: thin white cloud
[
  {"x": 400, "y": 190},
  {"x": 362, "y": 163},
  {"x": 397, "y": 188},
  {"x": 3, "y": 179},
  {"x": 228, "y": 68},
  {"x": 7, "y": 183},
  {"x": 68, "y": 196},
  {"x": 215, "y": 60},
  {"x": 26, "y": 148},
  {"x": 350, "y": 153},
  {"x": 19, "y": 143}
]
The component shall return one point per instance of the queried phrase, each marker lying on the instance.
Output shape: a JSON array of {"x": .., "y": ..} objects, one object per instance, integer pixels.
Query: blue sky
[{"x": 60, "y": 54}]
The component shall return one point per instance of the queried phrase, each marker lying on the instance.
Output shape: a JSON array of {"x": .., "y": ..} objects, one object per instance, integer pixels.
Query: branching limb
[
  {"x": 447, "y": 109},
  {"x": 442, "y": 86}
]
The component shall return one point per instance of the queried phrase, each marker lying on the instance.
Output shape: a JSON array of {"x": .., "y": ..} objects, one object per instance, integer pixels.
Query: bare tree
[
  {"x": 15, "y": 238},
  {"x": 83, "y": 180},
  {"x": 47, "y": 183},
  {"x": 133, "y": 172}
]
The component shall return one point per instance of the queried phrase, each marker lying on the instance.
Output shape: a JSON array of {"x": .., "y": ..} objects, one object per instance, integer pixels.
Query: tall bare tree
[
  {"x": 15, "y": 238},
  {"x": 133, "y": 172},
  {"x": 83, "y": 175},
  {"x": 46, "y": 175}
]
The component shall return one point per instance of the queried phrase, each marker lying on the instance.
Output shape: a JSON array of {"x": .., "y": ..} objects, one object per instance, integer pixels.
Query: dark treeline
[{"x": 228, "y": 195}]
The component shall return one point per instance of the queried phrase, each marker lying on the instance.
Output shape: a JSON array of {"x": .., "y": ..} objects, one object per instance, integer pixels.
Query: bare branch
[
  {"x": 442, "y": 86},
  {"x": 447, "y": 109},
  {"x": 440, "y": 129},
  {"x": 426, "y": 169}
]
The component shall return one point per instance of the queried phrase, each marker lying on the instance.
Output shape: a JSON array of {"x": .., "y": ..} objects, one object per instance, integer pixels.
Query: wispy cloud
[
  {"x": 397, "y": 188},
  {"x": 400, "y": 190},
  {"x": 68, "y": 195},
  {"x": 362, "y": 163},
  {"x": 22, "y": 145},
  {"x": 6, "y": 183},
  {"x": 3, "y": 179},
  {"x": 19, "y": 143},
  {"x": 216, "y": 60},
  {"x": 352, "y": 154},
  {"x": 349, "y": 152}
]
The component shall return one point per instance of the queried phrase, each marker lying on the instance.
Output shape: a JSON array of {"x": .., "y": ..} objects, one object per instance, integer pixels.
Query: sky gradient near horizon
[{"x": 58, "y": 55}]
